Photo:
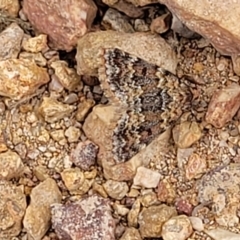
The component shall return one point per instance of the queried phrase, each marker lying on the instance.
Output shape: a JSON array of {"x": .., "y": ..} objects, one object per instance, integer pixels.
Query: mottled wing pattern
[{"x": 152, "y": 100}]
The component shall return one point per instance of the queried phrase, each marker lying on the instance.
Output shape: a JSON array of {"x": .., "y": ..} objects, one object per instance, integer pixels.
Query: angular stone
[
  {"x": 133, "y": 214},
  {"x": 52, "y": 110},
  {"x": 12, "y": 208},
  {"x": 67, "y": 76},
  {"x": 20, "y": 78},
  {"x": 210, "y": 19},
  {"x": 186, "y": 133},
  {"x": 35, "y": 44},
  {"x": 166, "y": 192},
  {"x": 131, "y": 234},
  {"x": 37, "y": 218},
  {"x": 148, "y": 47},
  {"x": 146, "y": 178},
  {"x": 116, "y": 190},
  {"x": 12, "y": 7},
  {"x": 223, "y": 106},
  {"x": 11, "y": 165},
  {"x": 36, "y": 57},
  {"x": 84, "y": 108},
  {"x": 195, "y": 167},
  {"x": 84, "y": 155},
  {"x": 10, "y": 40},
  {"x": 72, "y": 134},
  {"x": 88, "y": 218},
  {"x": 151, "y": 220},
  {"x": 177, "y": 227},
  {"x": 222, "y": 234},
  {"x": 62, "y": 24}
]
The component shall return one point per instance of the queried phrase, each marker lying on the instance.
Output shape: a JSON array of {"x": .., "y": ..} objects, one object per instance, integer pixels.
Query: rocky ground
[{"x": 70, "y": 170}]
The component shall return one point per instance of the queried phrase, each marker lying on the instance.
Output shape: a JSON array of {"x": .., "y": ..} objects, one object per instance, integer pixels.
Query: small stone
[
  {"x": 84, "y": 155},
  {"x": 131, "y": 234},
  {"x": 161, "y": 24},
  {"x": 183, "y": 206},
  {"x": 195, "y": 167},
  {"x": 88, "y": 218},
  {"x": 73, "y": 179},
  {"x": 12, "y": 7},
  {"x": 41, "y": 173},
  {"x": 58, "y": 136},
  {"x": 12, "y": 207},
  {"x": 222, "y": 234},
  {"x": 74, "y": 21},
  {"x": 52, "y": 110},
  {"x": 36, "y": 57},
  {"x": 152, "y": 219},
  {"x": 10, "y": 39},
  {"x": 132, "y": 217},
  {"x": 55, "y": 84},
  {"x": 149, "y": 199},
  {"x": 37, "y": 217},
  {"x": 120, "y": 209},
  {"x": 99, "y": 189},
  {"x": 20, "y": 78},
  {"x": 11, "y": 165},
  {"x": 186, "y": 133},
  {"x": 146, "y": 178},
  {"x": 114, "y": 20},
  {"x": 197, "y": 223},
  {"x": 177, "y": 227},
  {"x": 166, "y": 192},
  {"x": 72, "y": 134},
  {"x": 223, "y": 106},
  {"x": 67, "y": 76},
  {"x": 35, "y": 44},
  {"x": 116, "y": 190},
  {"x": 71, "y": 98},
  {"x": 84, "y": 108}
]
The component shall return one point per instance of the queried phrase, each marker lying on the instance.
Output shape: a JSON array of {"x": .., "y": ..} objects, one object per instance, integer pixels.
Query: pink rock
[
  {"x": 183, "y": 206},
  {"x": 84, "y": 155},
  {"x": 89, "y": 218},
  {"x": 64, "y": 21},
  {"x": 213, "y": 19},
  {"x": 223, "y": 106}
]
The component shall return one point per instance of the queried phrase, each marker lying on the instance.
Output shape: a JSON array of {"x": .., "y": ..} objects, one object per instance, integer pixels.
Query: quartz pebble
[
  {"x": 177, "y": 227},
  {"x": 146, "y": 178},
  {"x": 88, "y": 218}
]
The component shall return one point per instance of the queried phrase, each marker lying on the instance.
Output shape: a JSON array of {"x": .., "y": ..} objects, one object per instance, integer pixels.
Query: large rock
[
  {"x": 213, "y": 19},
  {"x": 63, "y": 21}
]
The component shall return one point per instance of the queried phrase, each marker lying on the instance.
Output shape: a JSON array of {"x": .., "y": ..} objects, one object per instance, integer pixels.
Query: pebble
[
  {"x": 11, "y": 165},
  {"x": 177, "y": 227},
  {"x": 131, "y": 234},
  {"x": 84, "y": 155},
  {"x": 10, "y": 39},
  {"x": 132, "y": 216},
  {"x": 151, "y": 220},
  {"x": 73, "y": 134},
  {"x": 87, "y": 218},
  {"x": 12, "y": 207},
  {"x": 222, "y": 234},
  {"x": 116, "y": 190},
  {"x": 75, "y": 20},
  {"x": 52, "y": 110},
  {"x": 35, "y": 44},
  {"x": 83, "y": 109},
  {"x": 68, "y": 77},
  {"x": 37, "y": 217},
  {"x": 20, "y": 78},
  {"x": 197, "y": 223},
  {"x": 146, "y": 178},
  {"x": 186, "y": 133},
  {"x": 223, "y": 105}
]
